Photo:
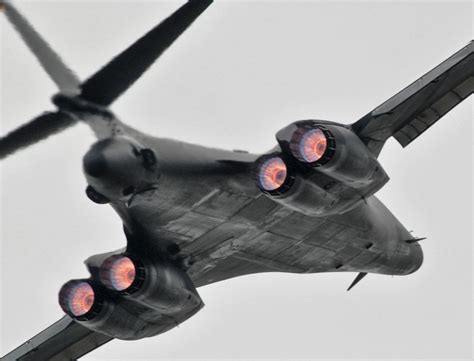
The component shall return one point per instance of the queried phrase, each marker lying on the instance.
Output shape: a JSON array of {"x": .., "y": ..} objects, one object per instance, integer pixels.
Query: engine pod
[
  {"x": 274, "y": 174},
  {"x": 336, "y": 151},
  {"x": 122, "y": 273},
  {"x": 161, "y": 286},
  {"x": 81, "y": 299},
  {"x": 86, "y": 302},
  {"x": 313, "y": 145},
  {"x": 276, "y": 177}
]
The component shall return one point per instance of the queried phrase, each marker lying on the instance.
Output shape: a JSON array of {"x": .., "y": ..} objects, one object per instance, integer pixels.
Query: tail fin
[
  {"x": 51, "y": 122},
  {"x": 65, "y": 79},
  {"x": 105, "y": 86}
]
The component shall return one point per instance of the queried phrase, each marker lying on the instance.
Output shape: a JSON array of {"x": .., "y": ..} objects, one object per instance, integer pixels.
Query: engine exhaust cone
[
  {"x": 80, "y": 300},
  {"x": 122, "y": 274},
  {"x": 311, "y": 145}
]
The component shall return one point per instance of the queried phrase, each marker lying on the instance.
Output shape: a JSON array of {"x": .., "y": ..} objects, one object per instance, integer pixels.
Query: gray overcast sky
[{"x": 242, "y": 72}]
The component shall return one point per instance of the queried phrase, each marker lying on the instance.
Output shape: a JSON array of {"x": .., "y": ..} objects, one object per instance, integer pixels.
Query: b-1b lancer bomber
[{"x": 194, "y": 215}]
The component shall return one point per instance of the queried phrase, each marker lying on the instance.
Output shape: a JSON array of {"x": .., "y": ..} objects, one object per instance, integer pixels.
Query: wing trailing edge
[
  {"x": 409, "y": 113},
  {"x": 64, "y": 340}
]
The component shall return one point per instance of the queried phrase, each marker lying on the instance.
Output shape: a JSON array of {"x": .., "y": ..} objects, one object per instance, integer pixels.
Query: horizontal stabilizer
[
  {"x": 64, "y": 78},
  {"x": 36, "y": 130},
  {"x": 117, "y": 76}
]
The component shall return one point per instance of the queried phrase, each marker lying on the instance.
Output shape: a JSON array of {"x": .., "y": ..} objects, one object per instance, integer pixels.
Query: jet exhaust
[
  {"x": 312, "y": 145},
  {"x": 122, "y": 274},
  {"x": 334, "y": 150},
  {"x": 321, "y": 168},
  {"x": 129, "y": 298},
  {"x": 162, "y": 287},
  {"x": 80, "y": 299},
  {"x": 273, "y": 175}
]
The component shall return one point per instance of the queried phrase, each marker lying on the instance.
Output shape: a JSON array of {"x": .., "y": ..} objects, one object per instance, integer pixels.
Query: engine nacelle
[
  {"x": 163, "y": 286},
  {"x": 335, "y": 151},
  {"x": 128, "y": 298},
  {"x": 87, "y": 302},
  {"x": 323, "y": 168},
  {"x": 281, "y": 180}
]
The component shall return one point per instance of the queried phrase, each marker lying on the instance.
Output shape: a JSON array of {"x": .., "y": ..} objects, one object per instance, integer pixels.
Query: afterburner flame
[
  {"x": 80, "y": 299},
  {"x": 312, "y": 145},
  {"x": 122, "y": 273},
  {"x": 272, "y": 174}
]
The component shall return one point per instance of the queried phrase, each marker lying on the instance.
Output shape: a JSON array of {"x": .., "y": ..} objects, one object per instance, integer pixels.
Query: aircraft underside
[
  {"x": 194, "y": 215},
  {"x": 226, "y": 227}
]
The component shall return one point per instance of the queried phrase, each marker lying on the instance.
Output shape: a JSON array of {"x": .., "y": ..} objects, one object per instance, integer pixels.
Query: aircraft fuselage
[{"x": 201, "y": 208}]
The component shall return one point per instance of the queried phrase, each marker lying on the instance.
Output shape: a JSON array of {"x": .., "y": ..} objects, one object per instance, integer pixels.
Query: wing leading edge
[{"x": 408, "y": 114}]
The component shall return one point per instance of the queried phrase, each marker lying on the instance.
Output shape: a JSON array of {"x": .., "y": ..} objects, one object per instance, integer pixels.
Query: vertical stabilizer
[{"x": 65, "y": 79}]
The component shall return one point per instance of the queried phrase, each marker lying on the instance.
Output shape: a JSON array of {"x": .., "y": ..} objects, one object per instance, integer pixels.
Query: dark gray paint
[{"x": 226, "y": 228}]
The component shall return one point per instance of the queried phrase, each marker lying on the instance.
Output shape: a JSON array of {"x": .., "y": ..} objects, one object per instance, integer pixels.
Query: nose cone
[
  {"x": 95, "y": 164},
  {"x": 117, "y": 167},
  {"x": 416, "y": 254},
  {"x": 106, "y": 155}
]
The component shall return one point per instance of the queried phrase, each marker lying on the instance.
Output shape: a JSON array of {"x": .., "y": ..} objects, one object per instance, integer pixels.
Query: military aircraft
[{"x": 193, "y": 215}]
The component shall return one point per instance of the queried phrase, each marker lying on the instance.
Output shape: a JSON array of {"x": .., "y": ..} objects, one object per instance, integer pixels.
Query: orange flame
[
  {"x": 272, "y": 174},
  {"x": 122, "y": 273},
  {"x": 81, "y": 299},
  {"x": 313, "y": 145}
]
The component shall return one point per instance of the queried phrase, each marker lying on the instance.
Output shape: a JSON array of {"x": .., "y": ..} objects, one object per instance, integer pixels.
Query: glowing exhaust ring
[
  {"x": 80, "y": 300},
  {"x": 122, "y": 274},
  {"x": 273, "y": 175},
  {"x": 313, "y": 145}
]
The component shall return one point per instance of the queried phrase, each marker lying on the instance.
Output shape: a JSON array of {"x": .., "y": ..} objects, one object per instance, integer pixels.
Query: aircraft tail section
[
  {"x": 51, "y": 122},
  {"x": 105, "y": 86},
  {"x": 89, "y": 100},
  {"x": 65, "y": 79},
  {"x": 41, "y": 127}
]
